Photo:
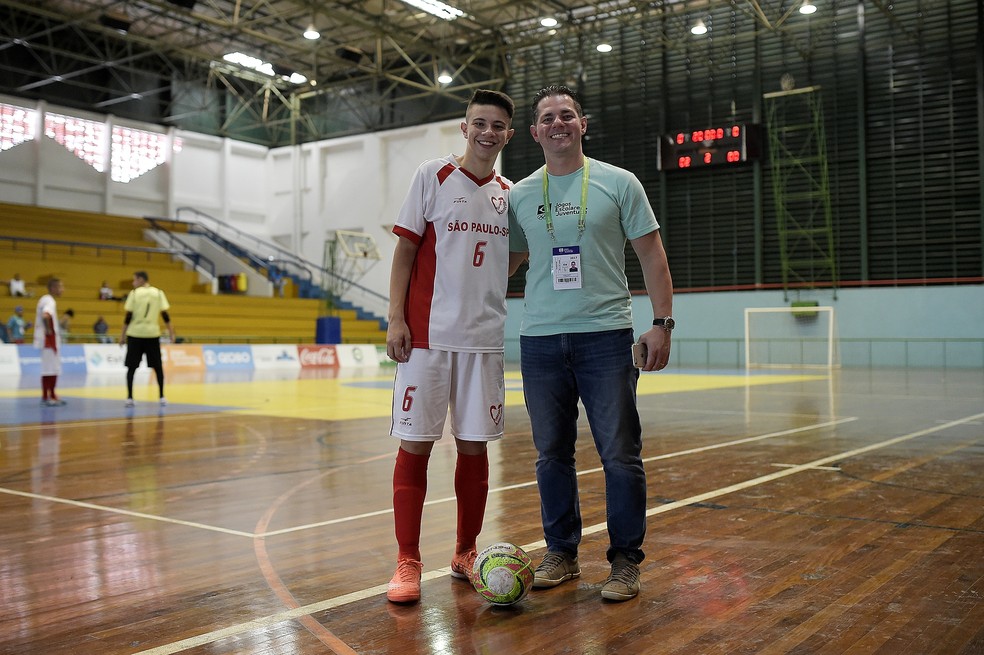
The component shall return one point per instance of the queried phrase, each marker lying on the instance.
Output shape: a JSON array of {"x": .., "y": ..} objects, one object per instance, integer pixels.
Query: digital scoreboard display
[{"x": 725, "y": 145}]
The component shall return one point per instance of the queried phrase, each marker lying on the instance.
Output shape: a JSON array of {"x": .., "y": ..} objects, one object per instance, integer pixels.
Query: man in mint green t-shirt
[{"x": 571, "y": 219}]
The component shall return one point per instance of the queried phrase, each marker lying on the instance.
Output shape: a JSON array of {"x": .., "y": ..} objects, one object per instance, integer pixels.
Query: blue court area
[
  {"x": 22, "y": 410},
  {"x": 89, "y": 397}
]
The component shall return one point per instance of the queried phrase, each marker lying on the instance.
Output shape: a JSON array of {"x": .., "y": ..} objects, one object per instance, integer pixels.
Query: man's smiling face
[{"x": 558, "y": 127}]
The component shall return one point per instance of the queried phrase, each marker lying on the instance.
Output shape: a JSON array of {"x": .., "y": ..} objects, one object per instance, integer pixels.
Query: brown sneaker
[
  {"x": 554, "y": 569},
  {"x": 405, "y": 585},
  {"x": 623, "y": 583}
]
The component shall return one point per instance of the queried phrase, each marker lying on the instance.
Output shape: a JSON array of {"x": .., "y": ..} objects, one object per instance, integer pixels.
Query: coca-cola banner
[{"x": 317, "y": 356}]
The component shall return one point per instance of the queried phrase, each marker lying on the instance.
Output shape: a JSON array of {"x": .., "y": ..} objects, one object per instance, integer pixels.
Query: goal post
[{"x": 791, "y": 337}]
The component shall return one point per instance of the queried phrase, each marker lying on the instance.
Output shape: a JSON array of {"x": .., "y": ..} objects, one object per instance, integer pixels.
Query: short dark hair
[
  {"x": 556, "y": 90},
  {"x": 143, "y": 275},
  {"x": 494, "y": 98},
  {"x": 70, "y": 312}
]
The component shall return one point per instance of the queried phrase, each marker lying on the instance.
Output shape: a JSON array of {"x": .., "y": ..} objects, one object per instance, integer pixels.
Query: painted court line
[
  {"x": 532, "y": 483},
  {"x": 264, "y": 623},
  {"x": 815, "y": 468},
  {"x": 124, "y": 512},
  {"x": 436, "y": 501}
]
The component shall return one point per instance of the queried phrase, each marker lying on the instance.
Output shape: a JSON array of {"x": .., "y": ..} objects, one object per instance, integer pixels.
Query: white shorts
[
  {"x": 432, "y": 381},
  {"x": 50, "y": 362}
]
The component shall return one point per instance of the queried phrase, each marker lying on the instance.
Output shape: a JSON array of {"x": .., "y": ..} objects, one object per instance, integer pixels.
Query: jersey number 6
[{"x": 479, "y": 253}]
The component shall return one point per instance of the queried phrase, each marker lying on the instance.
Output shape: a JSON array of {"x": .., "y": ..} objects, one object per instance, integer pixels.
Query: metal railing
[{"x": 278, "y": 257}]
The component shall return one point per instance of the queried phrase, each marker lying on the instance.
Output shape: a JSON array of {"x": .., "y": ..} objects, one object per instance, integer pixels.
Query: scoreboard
[{"x": 725, "y": 145}]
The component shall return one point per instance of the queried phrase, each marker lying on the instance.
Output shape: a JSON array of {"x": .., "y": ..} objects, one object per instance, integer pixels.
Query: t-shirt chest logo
[{"x": 499, "y": 204}]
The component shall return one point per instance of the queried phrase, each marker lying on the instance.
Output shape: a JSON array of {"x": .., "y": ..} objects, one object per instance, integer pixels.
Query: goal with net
[{"x": 790, "y": 337}]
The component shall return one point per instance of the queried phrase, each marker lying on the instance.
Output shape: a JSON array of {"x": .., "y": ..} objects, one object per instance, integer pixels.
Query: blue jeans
[{"x": 597, "y": 368}]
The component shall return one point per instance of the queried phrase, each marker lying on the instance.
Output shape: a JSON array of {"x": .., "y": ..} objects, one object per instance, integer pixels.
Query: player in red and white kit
[{"x": 446, "y": 322}]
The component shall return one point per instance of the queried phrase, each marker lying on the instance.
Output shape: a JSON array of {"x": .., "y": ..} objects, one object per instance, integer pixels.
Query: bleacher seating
[{"x": 197, "y": 314}]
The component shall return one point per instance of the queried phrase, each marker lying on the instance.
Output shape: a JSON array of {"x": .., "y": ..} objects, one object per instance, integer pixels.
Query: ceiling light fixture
[
  {"x": 437, "y": 8},
  {"x": 808, "y": 8},
  {"x": 265, "y": 67},
  {"x": 548, "y": 21},
  {"x": 445, "y": 77},
  {"x": 603, "y": 47},
  {"x": 312, "y": 33},
  {"x": 699, "y": 28}
]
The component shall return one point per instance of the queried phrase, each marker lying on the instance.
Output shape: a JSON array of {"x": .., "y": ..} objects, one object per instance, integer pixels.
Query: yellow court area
[{"x": 346, "y": 395}]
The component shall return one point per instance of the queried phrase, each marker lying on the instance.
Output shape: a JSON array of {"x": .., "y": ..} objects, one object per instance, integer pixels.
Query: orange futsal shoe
[
  {"x": 463, "y": 565},
  {"x": 405, "y": 585}
]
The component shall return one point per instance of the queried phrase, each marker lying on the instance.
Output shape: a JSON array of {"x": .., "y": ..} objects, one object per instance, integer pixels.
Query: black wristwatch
[{"x": 667, "y": 323}]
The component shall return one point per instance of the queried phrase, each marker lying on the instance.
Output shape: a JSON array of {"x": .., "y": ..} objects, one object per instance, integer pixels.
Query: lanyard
[{"x": 584, "y": 201}]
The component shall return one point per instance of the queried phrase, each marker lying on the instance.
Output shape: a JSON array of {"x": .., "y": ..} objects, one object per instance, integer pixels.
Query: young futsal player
[
  {"x": 47, "y": 339},
  {"x": 446, "y": 321}
]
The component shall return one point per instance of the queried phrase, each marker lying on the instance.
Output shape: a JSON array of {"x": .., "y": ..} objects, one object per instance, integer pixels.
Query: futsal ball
[{"x": 503, "y": 574}]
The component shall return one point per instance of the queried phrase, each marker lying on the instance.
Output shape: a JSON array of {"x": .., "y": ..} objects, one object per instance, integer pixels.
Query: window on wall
[
  {"x": 135, "y": 152},
  {"x": 16, "y": 125},
  {"x": 132, "y": 152},
  {"x": 82, "y": 138}
]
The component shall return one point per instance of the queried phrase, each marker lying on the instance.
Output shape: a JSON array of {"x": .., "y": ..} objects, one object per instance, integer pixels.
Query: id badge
[{"x": 567, "y": 267}]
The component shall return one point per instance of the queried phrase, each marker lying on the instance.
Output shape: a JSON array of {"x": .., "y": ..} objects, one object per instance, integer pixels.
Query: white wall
[
  {"x": 875, "y": 327},
  {"x": 353, "y": 183}
]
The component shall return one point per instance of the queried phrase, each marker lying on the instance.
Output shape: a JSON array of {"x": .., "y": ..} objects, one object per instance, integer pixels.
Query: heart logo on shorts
[{"x": 495, "y": 411}]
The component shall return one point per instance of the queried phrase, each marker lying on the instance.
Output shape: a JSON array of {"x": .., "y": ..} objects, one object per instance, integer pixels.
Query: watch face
[{"x": 669, "y": 323}]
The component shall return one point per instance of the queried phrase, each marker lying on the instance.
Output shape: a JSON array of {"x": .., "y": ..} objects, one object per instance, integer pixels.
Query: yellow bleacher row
[{"x": 197, "y": 315}]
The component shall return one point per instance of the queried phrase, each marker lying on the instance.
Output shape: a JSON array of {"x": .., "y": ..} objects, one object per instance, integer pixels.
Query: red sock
[
  {"x": 47, "y": 387},
  {"x": 409, "y": 491},
  {"x": 471, "y": 487}
]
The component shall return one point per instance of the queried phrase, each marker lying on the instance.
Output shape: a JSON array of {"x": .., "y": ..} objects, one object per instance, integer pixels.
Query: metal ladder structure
[{"x": 801, "y": 189}]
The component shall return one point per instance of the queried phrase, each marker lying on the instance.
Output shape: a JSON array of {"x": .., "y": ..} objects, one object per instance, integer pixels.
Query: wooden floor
[{"x": 809, "y": 513}]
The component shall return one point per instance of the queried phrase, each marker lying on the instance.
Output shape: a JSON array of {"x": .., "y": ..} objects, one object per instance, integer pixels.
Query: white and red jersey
[
  {"x": 46, "y": 305},
  {"x": 457, "y": 295}
]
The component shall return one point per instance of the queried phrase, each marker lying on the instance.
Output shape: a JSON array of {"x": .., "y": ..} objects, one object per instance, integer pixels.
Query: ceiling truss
[{"x": 374, "y": 66}]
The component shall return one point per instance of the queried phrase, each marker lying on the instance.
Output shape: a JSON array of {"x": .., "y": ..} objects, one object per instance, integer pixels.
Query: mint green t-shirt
[{"x": 617, "y": 210}]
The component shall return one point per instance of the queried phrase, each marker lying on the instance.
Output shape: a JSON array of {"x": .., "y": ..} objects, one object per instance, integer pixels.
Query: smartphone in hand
[{"x": 639, "y": 354}]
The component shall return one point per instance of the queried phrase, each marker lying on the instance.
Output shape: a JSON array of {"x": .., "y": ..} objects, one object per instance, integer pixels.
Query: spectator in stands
[
  {"x": 65, "y": 323},
  {"x": 17, "y": 326},
  {"x": 100, "y": 328},
  {"x": 47, "y": 339},
  {"x": 18, "y": 287},
  {"x": 106, "y": 293},
  {"x": 142, "y": 331}
]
